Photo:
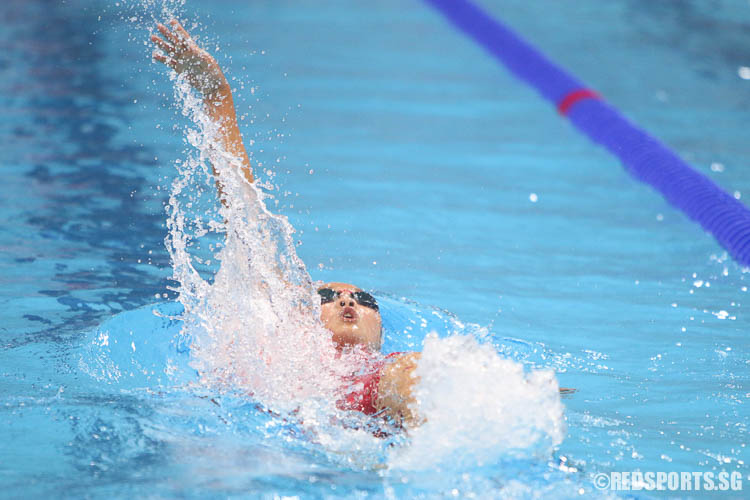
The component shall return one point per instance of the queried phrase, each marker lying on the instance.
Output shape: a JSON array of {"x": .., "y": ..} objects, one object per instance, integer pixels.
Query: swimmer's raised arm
[{"x": 180, "y": 52}]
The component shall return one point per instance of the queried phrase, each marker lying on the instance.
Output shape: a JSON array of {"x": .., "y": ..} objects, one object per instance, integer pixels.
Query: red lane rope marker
[{"x": 569, "y": 100}]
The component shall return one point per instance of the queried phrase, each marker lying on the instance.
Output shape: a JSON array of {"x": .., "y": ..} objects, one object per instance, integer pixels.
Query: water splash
[
  {"x": 256, "y": 326},
  {"x": 479, "y": 409}
]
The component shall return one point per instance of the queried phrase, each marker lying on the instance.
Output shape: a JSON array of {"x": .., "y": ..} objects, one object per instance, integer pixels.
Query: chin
[{"x": 348, "y": 339}]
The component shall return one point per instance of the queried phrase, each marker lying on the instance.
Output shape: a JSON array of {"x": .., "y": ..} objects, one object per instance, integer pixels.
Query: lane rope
[
  {"x": 569, "y": 100},
  {"x": 644, "y": 156}
]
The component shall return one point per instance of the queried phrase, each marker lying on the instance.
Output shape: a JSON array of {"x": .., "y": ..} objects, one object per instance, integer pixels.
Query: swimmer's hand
[
  {"x": 180, "y": 52},
  {"x": 395, "y": 398}
]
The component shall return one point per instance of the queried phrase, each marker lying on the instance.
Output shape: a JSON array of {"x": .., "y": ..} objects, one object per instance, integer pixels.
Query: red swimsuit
[{"x": 361, "y": 393}]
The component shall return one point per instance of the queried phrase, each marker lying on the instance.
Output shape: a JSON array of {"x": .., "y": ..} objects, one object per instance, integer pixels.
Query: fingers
[
  {"x": 159, "y": 57},
  {"x": 180, "y": 30},
  {"x": 166, "y": 48},
  {"x": 169, "y": 35},
  {"x": 175, "y": 44},
  {"x": 161, "y": 44},
  {"x": 165, "y": 60}
]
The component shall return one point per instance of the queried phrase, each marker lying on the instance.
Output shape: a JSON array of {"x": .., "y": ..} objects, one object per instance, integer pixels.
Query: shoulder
[
  {"x": 400, "y": 361},
  {"x": 397, "y": 378}
]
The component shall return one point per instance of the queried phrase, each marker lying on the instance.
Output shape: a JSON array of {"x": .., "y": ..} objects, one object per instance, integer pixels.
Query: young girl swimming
[{"x": 349, "y": 313}]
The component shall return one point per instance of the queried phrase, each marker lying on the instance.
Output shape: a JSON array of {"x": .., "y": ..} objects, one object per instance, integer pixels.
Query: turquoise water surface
[{"x": 411, "y": 165}]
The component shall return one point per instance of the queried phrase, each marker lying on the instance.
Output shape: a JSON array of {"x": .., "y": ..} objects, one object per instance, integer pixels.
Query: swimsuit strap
[{"x": 365, "y": 396}]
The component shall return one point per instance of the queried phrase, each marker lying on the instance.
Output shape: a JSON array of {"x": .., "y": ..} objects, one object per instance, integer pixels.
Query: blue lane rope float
[{"x": 645, "y": 157}]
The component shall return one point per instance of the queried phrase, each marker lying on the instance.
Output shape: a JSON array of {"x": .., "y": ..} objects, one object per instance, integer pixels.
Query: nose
[{"x": 346, "y": 301}]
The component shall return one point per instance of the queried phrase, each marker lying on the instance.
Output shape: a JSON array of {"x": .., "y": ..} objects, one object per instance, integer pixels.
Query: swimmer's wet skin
[
  {"x": 353, "y": 318},
  {"x": 349, "y": 313},
  {"x": 180, "y": 52}
]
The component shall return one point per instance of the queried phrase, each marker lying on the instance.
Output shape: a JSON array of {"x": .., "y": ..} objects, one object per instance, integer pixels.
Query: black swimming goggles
[{"x": 362, "y": 298}]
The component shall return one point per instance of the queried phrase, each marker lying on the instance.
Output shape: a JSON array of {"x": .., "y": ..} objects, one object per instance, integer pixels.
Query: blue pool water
[{"x": 406, "y": 159}]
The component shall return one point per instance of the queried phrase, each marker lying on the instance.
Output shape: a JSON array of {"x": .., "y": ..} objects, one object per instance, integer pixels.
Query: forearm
[
  {"x": 180, "y": 52},
  {"x": 220, "y": 108}
]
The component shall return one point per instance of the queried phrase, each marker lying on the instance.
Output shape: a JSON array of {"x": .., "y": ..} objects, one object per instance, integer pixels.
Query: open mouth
[{"x": 349, "y": 315}]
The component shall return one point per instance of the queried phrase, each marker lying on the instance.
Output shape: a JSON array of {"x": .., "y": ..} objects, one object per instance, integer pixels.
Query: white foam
[{"x": 479, "y": 408}]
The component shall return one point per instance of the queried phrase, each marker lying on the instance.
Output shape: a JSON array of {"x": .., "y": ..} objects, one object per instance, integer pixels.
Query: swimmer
[{"x": 349, "y": 313}]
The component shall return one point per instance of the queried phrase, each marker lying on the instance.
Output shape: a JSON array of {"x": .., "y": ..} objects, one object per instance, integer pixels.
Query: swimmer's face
[{"x": 350, "y": 322}]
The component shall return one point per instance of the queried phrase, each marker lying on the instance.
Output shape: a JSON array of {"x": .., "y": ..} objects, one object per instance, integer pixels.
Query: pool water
[{"x": 410, "y": 164}]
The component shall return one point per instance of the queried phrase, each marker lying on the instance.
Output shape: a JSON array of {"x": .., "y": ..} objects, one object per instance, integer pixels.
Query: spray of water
[
  {"x": 479, "y": 408},
  {"x": 256, "y": 326}
]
